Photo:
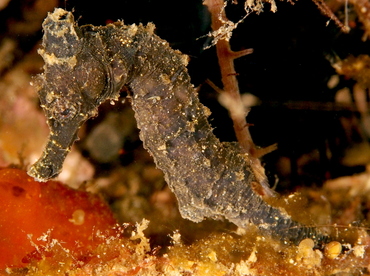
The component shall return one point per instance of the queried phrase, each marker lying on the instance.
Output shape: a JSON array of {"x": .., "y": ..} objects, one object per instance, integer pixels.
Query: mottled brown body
[{"x": 87, "y": 65}]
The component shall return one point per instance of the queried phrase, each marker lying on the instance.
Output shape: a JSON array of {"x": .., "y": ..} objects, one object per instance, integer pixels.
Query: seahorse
[{"x": 87, "y": 65}]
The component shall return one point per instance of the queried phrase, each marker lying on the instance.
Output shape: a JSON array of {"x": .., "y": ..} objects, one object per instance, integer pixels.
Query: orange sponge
[{"x": 34, "y": 215}]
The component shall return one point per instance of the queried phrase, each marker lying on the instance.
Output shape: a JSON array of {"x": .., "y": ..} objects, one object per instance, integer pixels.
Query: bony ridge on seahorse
[{"x": 87, "y": 65}]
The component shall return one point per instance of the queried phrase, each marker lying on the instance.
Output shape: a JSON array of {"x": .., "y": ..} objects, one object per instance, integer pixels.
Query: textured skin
[{"x": 87, "y": 65}]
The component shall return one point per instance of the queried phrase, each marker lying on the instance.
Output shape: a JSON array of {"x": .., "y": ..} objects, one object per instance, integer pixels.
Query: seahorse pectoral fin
[{"x": 62, "y": 136}]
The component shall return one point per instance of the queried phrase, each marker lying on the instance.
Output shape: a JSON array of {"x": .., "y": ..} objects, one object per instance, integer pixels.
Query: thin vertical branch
[
  {"x": 228, "y": 75},
  {"x": 230, "y": 97}
]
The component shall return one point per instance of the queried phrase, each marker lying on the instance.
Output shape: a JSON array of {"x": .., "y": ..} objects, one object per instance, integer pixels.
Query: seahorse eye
[
  {"x": 62, "y": 109},
  {"x": 65, "y": 112}
]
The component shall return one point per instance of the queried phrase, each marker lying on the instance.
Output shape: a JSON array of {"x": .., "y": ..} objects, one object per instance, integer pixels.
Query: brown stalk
[{"x": 230, "y": 92}]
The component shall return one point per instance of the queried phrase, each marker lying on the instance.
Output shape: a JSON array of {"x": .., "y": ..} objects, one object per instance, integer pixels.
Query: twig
[
  {"x": 228, "y": 76},
  {"x": 230, "y": 95},
  {"x": 323, "y": 7}
]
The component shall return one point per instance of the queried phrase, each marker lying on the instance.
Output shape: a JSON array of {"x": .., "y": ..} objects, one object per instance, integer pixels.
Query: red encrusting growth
[{"x": 34, "y": 216}]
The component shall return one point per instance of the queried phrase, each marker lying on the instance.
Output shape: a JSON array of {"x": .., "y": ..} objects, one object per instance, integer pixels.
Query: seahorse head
[{"x": 75, "y": 81}]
